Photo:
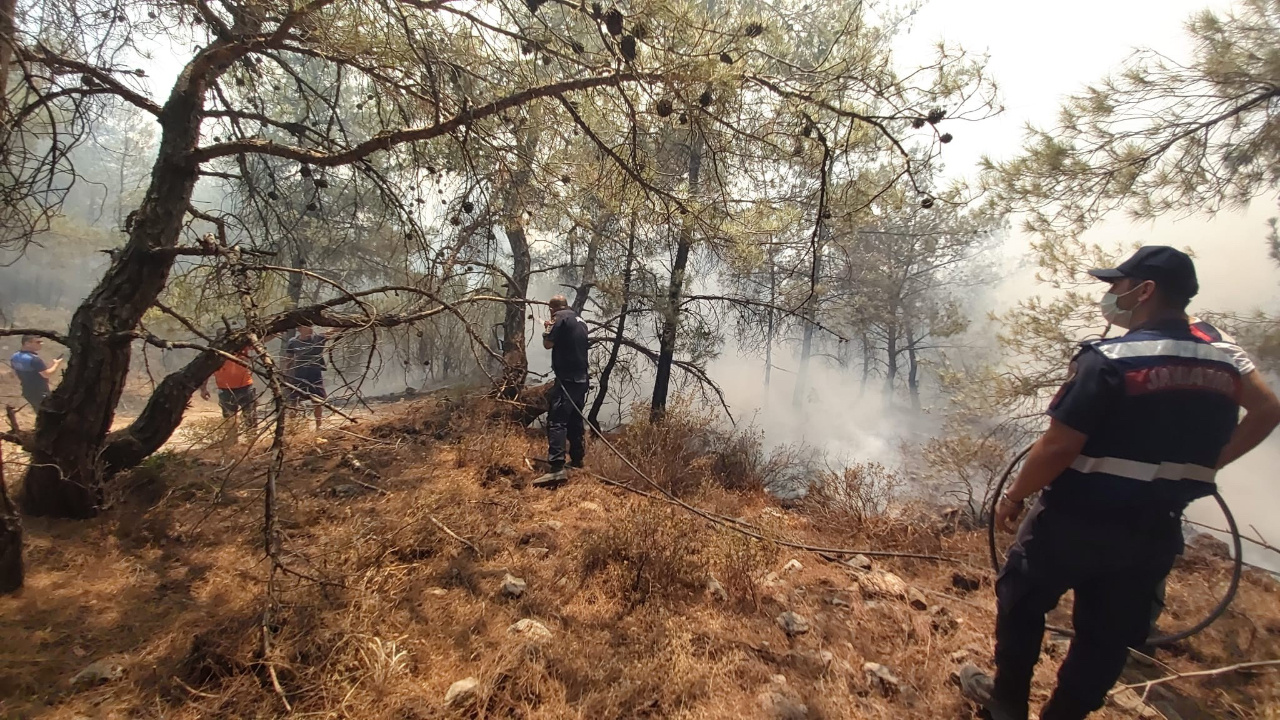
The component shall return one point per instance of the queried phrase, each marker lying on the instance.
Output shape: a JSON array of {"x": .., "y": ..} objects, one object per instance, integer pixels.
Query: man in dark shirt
[
  {"x": 566, "y": 337},
  {"x": 32, "y": 371},
  {"x": 1135, "y": 434},
  {"x": 304, "y": 368}
]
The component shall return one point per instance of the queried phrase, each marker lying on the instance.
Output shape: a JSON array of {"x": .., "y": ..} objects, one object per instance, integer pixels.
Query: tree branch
[{"x": 390, "y": 139}]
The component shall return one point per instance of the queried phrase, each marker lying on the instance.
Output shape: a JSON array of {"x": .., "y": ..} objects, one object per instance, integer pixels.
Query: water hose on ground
[{"x": 1159, "y": 640}]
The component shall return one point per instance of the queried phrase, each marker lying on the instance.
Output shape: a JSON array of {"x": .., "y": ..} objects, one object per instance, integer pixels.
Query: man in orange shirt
[{"x": 235, "y": 395}]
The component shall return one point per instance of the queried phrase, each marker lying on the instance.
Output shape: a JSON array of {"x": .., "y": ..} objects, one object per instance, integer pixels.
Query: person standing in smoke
[
  {"x": 565, "y": 336},
  {"x": 1136, "y": 433},
  {"x": 304, "y": 368}
]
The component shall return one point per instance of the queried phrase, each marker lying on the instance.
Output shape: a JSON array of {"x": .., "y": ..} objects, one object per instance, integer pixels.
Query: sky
[{"x": 1040, "y": 52}]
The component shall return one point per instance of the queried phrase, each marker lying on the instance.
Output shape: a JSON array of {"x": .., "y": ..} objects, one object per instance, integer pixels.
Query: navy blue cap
[{"x": 1170, "y": 269}]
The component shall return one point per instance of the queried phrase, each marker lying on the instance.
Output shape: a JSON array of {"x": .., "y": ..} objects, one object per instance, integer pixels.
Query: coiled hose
[{"x": 1159, "y": 640}]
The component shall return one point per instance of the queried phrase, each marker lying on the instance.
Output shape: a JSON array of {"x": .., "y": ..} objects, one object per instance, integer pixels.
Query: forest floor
[{"x": 397, "y": 539}]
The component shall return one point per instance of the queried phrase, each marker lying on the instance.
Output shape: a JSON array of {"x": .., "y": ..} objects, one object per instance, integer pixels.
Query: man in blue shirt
[
  {"x": 32, "y": 371},
  {"x": 304, "y": 368},
  {"x": 1135, "y": 434}
]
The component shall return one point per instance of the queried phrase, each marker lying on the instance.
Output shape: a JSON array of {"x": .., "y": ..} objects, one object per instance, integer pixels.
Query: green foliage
[{"x": 1158, "y": 136}]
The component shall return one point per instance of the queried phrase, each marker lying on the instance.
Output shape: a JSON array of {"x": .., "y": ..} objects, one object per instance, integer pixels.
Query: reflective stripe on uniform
[
  {"x": 1166, "y": 348},
  {"x": 1137, "y": 470}
]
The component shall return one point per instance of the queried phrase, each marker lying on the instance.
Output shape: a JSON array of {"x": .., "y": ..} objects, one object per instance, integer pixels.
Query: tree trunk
[
  {"x": 671, "y": 313},
  {"x": 588, "y": 279},
  {"x": 602, "y": 385},
  {"x": 866, "y": 363},
  {"x": 515, "y": 359},
  {"x": 891, "y": 363},
  {"x": 127, "y": 447},
  {"x": 913, "y": 371},
  {"x": 65, "y": 476},
  {"x": 297, "y": 261},
  {"x": 810, "y": 315},
  {"x": 768, "y": 332},
  {"x": 11, "y": 574},
  {"x": 7, "y": 40}
]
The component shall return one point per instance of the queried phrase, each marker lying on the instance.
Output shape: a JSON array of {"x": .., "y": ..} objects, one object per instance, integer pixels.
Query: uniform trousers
[
  {"x": 564, "y": 421},
  {"x": 1114, "y": 565}
]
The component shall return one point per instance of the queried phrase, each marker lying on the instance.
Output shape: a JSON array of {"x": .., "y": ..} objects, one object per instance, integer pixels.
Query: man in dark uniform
[
  {"x": 566, "y": 337},
  {"x": 304, "y": 369},
  {"x": 1135, "y": 435}
]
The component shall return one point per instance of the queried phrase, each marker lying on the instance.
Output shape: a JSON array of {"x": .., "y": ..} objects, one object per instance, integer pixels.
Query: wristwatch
[{"x": 1004, "y": 497}]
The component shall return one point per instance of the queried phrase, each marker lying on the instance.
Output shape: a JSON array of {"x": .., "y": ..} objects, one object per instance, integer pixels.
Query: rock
[
  {"x": 345, "y": 490},
  {"x": 1207, "y": 545},
  {"x": 717, "y": 591},
  {"x": 1131, "y": 703},
  {"x": 553, "y": 524},
  {"x": 506, "y": 530},
  {"x": 826, "y": 656},
  {"x": 792, "y": 624},
  {"x": 943, "y": 621},
  {"x": 590, "y": 506},
  {"x": 512, "y": 586},
  {"x": 965, "y": 583},
  {"x": 959, "y": 656},
  {"x": 837, "y": 601},
  {"x": 859, "y": 562},
  {"x": 439, "y": 592},
  {"x": 880, "y": 676},
  {"x": 537, "y": 553},
  {"x": 530, "y": 631},
  {"x": 917, "y": 599},
  {"x": 461, "y": 692},
  {"x": 100, "y": 671},
  {"x": 771, "y": 581},
  {"x": 778, "y": 679},
  {"x": 778, "y": 706},
  {"x": 351, "y": 461},
  {"x": 881, "y": 584},
  {"x": 792, "y": 565}
]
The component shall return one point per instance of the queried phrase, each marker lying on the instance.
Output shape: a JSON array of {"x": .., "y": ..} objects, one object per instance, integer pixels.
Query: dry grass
[{"x": 172, "y": 581}]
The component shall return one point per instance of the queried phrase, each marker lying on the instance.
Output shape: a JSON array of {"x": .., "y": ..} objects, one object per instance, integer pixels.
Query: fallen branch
[
  {"x": 1199, "y": 673},
  {"x": 453, "y": 534},
  {"x": 748, "y": 530},
  {"x": 1260, "y": 542},
  {"x": 15, "y": 434},
  {"x": 11, "y": 568}
]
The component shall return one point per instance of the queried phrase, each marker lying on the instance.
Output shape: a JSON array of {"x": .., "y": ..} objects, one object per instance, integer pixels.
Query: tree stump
[{"x": 10, "y": 538}]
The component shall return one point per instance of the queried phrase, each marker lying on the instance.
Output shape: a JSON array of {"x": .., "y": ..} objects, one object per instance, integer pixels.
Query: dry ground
[{"x": 380, "y": 610}]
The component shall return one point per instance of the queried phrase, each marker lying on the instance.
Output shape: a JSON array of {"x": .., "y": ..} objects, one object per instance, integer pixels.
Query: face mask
[{"x": 1111, "y": 312}]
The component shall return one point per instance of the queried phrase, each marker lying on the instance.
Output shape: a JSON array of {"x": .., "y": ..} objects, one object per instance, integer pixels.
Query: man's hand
[
  {"x": 1007, "y": 514},
  {"x": 51, "y": 369},
  {"x": 204, "y": 393},
  {"x": 546, "y": 325}
]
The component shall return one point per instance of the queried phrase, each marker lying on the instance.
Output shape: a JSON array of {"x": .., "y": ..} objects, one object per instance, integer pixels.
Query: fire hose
[{"x": 1217, "y": 611}]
